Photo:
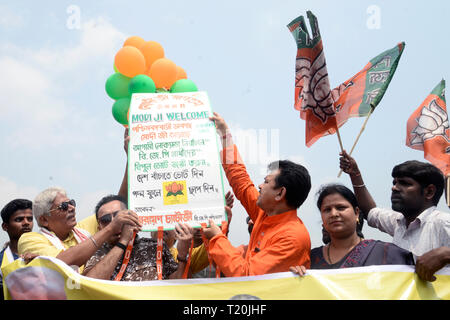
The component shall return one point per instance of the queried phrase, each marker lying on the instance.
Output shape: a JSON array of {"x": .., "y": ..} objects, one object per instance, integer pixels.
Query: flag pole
[
  {"x": 339, "y": 138},
  {"x": 359, "y": 134},
  {"x": 448, "y": 190}
]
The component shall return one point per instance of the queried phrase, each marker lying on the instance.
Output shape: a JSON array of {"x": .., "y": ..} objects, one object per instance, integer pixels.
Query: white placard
[{"x": 174, "y": 172}]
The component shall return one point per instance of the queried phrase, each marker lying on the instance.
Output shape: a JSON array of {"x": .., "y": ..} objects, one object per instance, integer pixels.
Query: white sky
[{"x": 57, "y": 127}]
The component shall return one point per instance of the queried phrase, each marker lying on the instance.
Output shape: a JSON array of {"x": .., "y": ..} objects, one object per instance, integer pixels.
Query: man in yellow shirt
[
  {"x": 17, "y": 219},
  {"x": 58, "y": 235},
  {"x": 89, "y": 224}
]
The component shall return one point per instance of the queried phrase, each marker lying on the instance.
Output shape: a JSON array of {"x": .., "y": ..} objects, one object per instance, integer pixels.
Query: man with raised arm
[
  {"x": 414, "y": 223},
  {"x": 279, "y": 238}
]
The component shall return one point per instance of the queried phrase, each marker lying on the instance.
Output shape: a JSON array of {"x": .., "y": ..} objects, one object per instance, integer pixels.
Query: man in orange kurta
[{"x": 279, "y": 238}]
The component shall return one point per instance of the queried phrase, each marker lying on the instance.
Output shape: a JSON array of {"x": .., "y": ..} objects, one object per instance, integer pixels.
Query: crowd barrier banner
[{"x": 50, "y": 278}]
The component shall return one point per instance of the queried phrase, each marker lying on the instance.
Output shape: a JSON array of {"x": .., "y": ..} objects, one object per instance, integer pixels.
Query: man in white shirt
[{"x": 414, "y": 223}]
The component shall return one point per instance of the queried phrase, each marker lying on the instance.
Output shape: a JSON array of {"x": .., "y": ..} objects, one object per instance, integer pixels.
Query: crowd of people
[{"x": 279, "y": 241}]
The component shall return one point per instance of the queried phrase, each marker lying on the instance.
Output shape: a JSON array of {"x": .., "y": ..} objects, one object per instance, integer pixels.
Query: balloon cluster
[{"x": 141, "y": 67}]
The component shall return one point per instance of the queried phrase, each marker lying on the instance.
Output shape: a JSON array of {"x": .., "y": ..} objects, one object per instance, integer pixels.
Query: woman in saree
[{"x": 347, "y": 248}]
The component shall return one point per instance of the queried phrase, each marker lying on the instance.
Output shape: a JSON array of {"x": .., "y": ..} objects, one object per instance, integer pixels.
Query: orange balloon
[
  {"x": 129, "y": 61},
  {"x": 152, "y": 51},
  {"x": 134, "y": 41},
  {"x": 181, "y": 74},
  {"x": 163, "y": 72}
]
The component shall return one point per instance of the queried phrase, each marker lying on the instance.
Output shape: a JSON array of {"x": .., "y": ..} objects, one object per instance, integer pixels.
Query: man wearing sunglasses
[
  {"x": 58, "y": 235},
  {"x": 108, "y": 261}
]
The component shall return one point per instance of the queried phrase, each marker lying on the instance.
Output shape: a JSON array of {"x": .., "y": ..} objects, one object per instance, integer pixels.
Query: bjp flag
[
  {"x": 428, "y": 129},
  {"x": 325, "y": 110},
  {"x": 362, "y": 92},
  {"x": 312, "y": 88}
]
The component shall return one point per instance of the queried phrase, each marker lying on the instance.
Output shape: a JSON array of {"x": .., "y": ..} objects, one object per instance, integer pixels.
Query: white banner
[
  {"x": 174, "y": 170},
  {"x": 50, "y": 278}
]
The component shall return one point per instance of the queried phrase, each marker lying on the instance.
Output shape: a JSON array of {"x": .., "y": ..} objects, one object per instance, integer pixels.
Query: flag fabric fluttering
[
  {"x": 360, "y": 94},
  {"x": 323, "y": 110},
  {"x": 427, "y": 129},
  {"x": 312, "y": 88}
]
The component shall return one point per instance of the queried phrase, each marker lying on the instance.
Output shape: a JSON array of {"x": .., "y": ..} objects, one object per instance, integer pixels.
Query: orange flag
[
  {"x": 312, "y": 88},
  {"x": 356, "y": 96},
  {"x": 428, "y": 129},
  {"x": 325, "y": 110}
]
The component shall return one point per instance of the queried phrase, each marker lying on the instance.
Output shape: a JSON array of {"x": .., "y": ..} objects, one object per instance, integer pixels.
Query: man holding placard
[
  {"x": 128, "y": 257},
  {"x": 174, "y": 173},
  {"x": 58, "y": 235},
  {"x": 279, "y": 237}
]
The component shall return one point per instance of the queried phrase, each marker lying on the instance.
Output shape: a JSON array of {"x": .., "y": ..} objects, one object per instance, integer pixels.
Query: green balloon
[
  {"x": 183, "y": 85},
  {"x": 115, "y": 68},
  {"x": 120, "y": 110},
  {"x": 141, "y": 84},
  {"x": 117, "y": 86}
]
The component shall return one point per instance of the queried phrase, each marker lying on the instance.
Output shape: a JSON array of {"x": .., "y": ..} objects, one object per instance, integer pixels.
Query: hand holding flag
[{"x": 359, "y": 96}]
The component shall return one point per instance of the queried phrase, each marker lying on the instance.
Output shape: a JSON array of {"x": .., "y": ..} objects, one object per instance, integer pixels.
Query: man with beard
[
  {"x": 414, "y": 223},
  {"x": 17, "y": 219}
]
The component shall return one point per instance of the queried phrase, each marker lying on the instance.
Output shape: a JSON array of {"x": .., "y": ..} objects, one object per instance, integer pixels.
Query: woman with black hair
[{"x": 347, "y": 248}]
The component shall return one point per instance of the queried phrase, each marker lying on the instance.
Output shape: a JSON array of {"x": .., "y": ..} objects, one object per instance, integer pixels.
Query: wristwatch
[{"x": 121, "y": 246}]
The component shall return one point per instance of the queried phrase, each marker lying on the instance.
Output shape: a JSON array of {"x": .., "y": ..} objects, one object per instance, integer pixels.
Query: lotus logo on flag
[
  {"x": 432, "y": 122},
  {"x": 312, "y": 87},
  {"x": 428, "y": 129},
  {"x": 323, "y": 109},
  {"x": 316, "y": 91}
]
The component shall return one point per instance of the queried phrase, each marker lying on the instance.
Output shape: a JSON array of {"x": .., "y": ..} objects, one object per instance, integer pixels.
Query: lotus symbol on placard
[{"x": 174, "y": 189}]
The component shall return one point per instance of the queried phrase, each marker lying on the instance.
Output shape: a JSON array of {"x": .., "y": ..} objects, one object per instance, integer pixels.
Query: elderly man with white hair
[{"x": 58, "y": 235}]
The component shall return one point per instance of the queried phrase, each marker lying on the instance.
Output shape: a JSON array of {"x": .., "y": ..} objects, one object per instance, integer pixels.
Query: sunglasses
[
  {"x": 107, "y": 218},
  {"x": 64, "y": 206}
]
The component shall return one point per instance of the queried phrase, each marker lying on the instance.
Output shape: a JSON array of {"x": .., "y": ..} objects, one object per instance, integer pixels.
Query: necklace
[{"x": 329, "y": 245}]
